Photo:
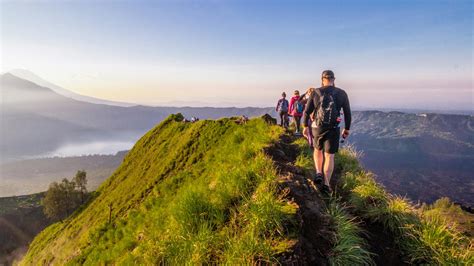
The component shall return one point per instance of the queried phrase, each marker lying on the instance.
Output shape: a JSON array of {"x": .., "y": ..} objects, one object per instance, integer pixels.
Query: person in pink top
[{"x": 296, "y": 110}]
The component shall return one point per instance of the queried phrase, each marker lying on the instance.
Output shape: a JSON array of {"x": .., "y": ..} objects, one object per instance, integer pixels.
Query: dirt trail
[{"x": 316, "y": 235}]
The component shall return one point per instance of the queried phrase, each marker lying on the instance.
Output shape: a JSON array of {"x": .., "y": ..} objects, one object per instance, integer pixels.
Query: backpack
[
  {"x": 326, "y": 112},
  {"x": 299, "y": 107},
  {"x": 283, "y": 105}
]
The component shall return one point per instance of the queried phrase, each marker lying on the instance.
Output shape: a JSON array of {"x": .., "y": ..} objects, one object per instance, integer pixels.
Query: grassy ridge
[
  {"x": 350, "y": 248},
  {"x": 426, "y": 235},
  {"x": 205, "y": 193},
  {"x": 187, "y": 192},
  {"x": 424, "y": 238}
]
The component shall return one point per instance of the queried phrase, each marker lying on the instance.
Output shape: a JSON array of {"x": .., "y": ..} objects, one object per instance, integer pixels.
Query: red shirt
[{"x": 293, "y": 110}]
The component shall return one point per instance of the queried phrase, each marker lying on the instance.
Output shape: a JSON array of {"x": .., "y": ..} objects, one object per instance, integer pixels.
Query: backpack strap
[
  {"x": 316, "y": 100},
  {"x": 317, "y": 94}
]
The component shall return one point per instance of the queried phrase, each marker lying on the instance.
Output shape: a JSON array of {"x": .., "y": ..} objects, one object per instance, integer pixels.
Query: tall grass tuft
[
  {"x": 424, "y": 239},
  {"x": 350, "y": 246}
]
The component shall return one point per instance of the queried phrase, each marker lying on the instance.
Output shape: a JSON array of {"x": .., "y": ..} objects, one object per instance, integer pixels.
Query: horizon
[
  {"x": 244, "y": 55},
  {"x": 177, "y": 104}
]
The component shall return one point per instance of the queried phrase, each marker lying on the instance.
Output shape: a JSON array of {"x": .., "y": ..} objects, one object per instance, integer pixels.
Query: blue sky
[{"x": 398, "y": 54}]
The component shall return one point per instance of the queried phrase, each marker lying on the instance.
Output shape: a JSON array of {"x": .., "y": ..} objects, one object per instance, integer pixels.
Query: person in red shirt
[{"x": 296, "y": 110}]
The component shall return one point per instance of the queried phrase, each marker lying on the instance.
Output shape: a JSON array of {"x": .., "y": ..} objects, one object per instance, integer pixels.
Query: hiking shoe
[
  {"x": 318, "y": 180},
  {"x": 326, "y": 190}
]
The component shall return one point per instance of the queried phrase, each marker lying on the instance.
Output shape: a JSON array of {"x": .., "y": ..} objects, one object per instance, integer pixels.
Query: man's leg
[
  {"x": 318, "y": 157},
  {"x": 282, "y": 117},
  {"x": 328, "y": 167},
  {"x": 331, "y": 146}
]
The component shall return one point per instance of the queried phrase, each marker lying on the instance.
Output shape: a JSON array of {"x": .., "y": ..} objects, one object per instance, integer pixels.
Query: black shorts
[{"x": 326, "y": 139}]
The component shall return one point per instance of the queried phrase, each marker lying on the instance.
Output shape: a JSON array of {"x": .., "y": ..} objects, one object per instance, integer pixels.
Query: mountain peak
[
  {"x": 11, "y": 81},
  {"x": 28, "y": 75},
  {"x": 8, "y": 76}
]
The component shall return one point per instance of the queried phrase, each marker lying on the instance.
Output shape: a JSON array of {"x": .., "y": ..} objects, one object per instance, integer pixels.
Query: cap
[{"x": 328, "y": 74}]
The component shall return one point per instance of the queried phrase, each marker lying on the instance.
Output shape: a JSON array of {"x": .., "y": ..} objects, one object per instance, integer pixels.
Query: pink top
[{"x": 293, "y": 111}]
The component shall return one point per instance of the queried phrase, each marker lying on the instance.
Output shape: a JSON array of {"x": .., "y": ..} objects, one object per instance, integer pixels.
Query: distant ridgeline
[
  {"x": 228, "y": 191},
  {"x": 424, "y": 156}
]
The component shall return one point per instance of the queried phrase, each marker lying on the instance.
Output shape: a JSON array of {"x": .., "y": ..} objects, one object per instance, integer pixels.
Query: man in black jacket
[{"x": 324, "y": 110}]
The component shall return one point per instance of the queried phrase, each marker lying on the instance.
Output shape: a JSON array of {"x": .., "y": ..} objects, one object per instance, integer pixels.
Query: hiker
[
  {"x": 296, "y": 110},
  {"x": 282, "y": 110},
  {"x": 325, "y": 107},
  {"x": 304, "y": 98}
]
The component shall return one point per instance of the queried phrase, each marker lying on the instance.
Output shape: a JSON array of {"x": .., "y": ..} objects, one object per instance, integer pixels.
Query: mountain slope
[
  {"x": 194, "y": 188},
  {"x": 36, "y": 120},
  {"x": 27, "y": 75},
  {"x": 424, "y": 156},
  {"x": 51, "y": 120},
  {"x": 21, "y": 219},
  {"x": 224, "y": 192}
]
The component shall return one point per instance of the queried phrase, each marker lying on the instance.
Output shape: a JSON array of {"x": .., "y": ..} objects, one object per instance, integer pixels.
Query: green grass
[
  {"x": 457, "y": 218},
  {"x": 187, "y": 193},
  {"x": 350, "y": 247},
  {"x": 205, "y": 193},
  {"x": 424, "y": 236}
]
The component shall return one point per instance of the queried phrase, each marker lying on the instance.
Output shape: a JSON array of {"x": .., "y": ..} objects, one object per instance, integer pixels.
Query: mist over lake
[{"x": 90, "y": 148}]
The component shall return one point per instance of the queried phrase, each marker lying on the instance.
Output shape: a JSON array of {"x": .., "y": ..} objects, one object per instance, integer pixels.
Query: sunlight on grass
[
  {"x": 199, "y": 193},
  {"x": 350, "y": 246},
  {"x": 426, "y": 239}
]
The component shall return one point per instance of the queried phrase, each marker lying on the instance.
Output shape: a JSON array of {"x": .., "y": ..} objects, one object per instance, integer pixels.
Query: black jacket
[{"x": 341, "y": 100}]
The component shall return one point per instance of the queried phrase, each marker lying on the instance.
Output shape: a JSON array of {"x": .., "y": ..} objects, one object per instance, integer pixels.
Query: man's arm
[
  {"x": 278, "y": 105},
  {"x": 346, "y": 107},
  {"x": 302, "y": 97},
  {"x": 308, "y": 110}
]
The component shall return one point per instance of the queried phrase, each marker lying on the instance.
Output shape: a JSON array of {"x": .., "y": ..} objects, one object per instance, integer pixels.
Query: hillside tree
[
  {"x": 61, "y": 199},
  {"x": 54, "y": 206},
  {"x": 81, "y": 183}
]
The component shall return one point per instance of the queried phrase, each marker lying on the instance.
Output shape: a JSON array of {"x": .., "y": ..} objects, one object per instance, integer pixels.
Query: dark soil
[
  {"x": 382, "y": 244},
  {"x": 313, "y": 228}
]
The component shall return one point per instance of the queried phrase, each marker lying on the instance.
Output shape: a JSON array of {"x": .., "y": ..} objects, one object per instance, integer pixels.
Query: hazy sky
[{"x": 385, "y": 53}]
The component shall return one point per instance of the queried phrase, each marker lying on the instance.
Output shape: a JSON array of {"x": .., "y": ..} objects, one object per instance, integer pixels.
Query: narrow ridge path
[
  {"x": 315, "y": 231},
  {"x": 315, "y": 238}
]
